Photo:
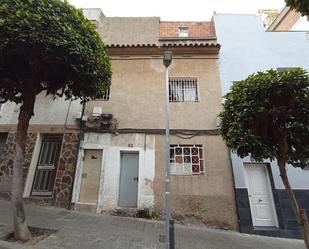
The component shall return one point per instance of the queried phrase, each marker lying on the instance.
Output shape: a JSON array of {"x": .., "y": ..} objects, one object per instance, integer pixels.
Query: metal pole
[{"x": 167, "y": 165}]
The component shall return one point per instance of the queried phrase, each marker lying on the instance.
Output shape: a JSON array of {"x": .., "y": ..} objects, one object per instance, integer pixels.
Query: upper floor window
[
  {"x": 187, "y": 159},
  {"x": 183, "y": 32},
  {"x": 183, "y": 89},
  {"x": 106, "y": 95}
]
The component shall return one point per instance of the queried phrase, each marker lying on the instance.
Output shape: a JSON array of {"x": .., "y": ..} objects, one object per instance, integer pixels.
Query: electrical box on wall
[{"x": 97, "y": 111}]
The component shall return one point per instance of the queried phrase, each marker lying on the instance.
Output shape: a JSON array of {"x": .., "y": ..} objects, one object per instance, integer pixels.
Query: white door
[{"x": 260, "y": 195}]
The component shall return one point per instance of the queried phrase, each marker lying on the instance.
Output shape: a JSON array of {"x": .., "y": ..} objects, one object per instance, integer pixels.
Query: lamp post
[{"x": 169, "y": 223}]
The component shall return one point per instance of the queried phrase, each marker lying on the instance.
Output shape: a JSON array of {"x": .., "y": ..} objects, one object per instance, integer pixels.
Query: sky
[{"x": 173, "y": 10}]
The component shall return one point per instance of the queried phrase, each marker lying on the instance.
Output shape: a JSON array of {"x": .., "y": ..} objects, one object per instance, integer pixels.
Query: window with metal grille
[
  {"x": 183, "y": 89},
  {"x": 106, "y": 95},
  {"x": 47, "y": 165},
  {"x": 187, "y": 159}
]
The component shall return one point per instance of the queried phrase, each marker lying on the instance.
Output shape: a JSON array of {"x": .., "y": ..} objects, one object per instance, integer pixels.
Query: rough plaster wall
[
  {"x": 109, "y": 185},
  {"x": 146, "y": 94},
  {"x": 247, "y": 48},
  {"x": 205, "y": 198},
  {"x": 127, "y": 30}
]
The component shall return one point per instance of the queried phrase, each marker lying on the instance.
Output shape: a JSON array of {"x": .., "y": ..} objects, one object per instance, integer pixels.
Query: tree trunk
[
  {"x": 304, "y": 219},
  {"x": 21, "y": 230},
  {"x": 303, "y": 224}
]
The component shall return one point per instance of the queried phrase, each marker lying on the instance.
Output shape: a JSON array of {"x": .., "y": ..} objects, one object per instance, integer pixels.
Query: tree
[
  {"x": 301, "y": 6},
  {"x": 266, "y": 116},
  {"x": 46, "y": 46}
]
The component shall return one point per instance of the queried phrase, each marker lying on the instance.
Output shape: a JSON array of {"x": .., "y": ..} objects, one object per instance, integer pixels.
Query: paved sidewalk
[{"x": 77, "y": 230}]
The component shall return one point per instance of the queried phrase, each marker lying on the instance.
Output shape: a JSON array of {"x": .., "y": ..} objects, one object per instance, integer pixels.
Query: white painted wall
[
  {"x": 46, "y": 111},
  {"x": 246, "y": 48},
  {"x": 112, "y": 146}
]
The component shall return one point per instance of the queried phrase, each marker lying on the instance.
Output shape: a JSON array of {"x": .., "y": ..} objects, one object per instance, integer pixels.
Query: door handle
[
  {"x": 135, "y": 178},
  {"x": 260, "y": 200}
]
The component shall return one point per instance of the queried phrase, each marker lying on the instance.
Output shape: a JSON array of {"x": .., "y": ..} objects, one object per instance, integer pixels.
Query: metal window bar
[
  {"x": 46, "y": 168},
  {"x": 183, "y": 89},
  {"x": 106, "y": 95},
  {"x": 187, "y": 159}
]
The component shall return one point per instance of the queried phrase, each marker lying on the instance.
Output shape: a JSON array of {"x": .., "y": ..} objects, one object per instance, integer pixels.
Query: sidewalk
[{"x": 90, "y": 231}]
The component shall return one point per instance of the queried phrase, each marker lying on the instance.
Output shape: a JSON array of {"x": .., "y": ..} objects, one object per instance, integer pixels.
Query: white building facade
[{"x": 262, "y": 203}]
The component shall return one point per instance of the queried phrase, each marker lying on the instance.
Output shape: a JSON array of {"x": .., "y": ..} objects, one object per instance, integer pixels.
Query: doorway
[
  {"x": 261, "y": 199},
  {"x": 128, "y": 186},
  {"x": 90, "y": 183}
]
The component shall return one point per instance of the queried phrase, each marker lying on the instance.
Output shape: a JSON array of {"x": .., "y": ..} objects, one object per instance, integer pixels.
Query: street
[{"x": 76, "y": 230}]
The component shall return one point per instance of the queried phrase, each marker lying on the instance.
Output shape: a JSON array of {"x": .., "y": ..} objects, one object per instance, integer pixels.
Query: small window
[
  {"x": 183, "y": 89},
  {"x": 186, "y": 159},
  {"x": 106, "y": 95},
  {"x": 183, "y": 32}
]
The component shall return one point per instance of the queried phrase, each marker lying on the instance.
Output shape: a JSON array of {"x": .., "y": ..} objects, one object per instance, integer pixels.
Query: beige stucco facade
[
  {"x": 91, "y": 154},
  {"x": 207, "y": 198},
  {"x": 136, "y": 101},
  {"x": 138, "y": 93}
]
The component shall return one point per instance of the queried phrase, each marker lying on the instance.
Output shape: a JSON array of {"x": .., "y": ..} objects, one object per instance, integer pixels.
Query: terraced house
[
  {"x": 109, "y": 154},
  {"x": 121, "y": 155},
  {"x": 263, "y": 206}
]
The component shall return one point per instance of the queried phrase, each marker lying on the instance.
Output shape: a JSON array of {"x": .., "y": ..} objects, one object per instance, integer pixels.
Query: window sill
[{"x": 200, "y": 174}]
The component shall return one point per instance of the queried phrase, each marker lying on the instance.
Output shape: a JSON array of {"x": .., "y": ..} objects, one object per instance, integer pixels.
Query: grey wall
[
  {"x": 46, "y": 111},
  {"x": 246, "y": 48}
]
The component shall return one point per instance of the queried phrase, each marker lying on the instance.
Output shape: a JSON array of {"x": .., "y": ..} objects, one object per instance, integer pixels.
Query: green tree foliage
[
  {"x": 49, "y": 45},
  {"x": 301, "y": 6},
  {"x": 259, "y": 110},
  {"x": 45, "y": 46},
  {"x": 266, "y": 116}
]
